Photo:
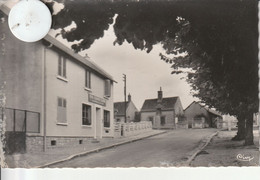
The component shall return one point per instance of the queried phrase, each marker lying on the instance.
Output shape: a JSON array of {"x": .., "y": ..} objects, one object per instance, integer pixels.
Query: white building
[{"x": 54, "y": 97}]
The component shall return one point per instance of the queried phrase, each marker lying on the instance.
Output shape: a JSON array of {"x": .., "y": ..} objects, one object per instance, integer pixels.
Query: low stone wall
[
  {"x": 226, "y": 125},
  {"x": 129, "y": 129},
  {"x": 35, "y": 143}
]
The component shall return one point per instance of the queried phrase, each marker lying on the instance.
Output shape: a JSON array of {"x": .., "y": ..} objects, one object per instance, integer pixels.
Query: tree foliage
[
  {"x": 91, "y": 19},
  {"x": 219, "y": 38}
]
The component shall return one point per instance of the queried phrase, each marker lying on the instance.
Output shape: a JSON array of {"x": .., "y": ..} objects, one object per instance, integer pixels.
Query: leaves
[{"x": 214, "y": 42}]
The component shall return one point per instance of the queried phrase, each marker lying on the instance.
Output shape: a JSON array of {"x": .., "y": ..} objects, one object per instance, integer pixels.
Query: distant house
[
  {"x": 164, "y": 113},
  {"x": 227, "y": 122},
  {"x": 199, "y": 116},
  {"x": 119, "y": 111}
]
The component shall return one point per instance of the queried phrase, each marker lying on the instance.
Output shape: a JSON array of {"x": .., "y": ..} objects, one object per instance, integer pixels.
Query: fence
[
  {"x": 128, "y": 129},
  {"x": 18, "y": 120},
  {"x": 226, "y": 125}
]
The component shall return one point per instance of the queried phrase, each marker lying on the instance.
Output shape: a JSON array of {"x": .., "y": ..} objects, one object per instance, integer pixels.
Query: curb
[
  {"x": 200, "y": 148},
  {"x": 98, "y": 149}
]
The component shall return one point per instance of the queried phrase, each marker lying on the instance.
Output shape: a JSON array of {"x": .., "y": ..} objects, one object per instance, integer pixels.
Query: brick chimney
[
  {"x": 160, "y": 95},
  {"x": 129, "y": 97}
]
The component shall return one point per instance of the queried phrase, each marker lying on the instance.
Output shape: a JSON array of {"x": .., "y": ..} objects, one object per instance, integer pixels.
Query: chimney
[
  {"x": 129, "y": 97},
  {"x": 160, "y": 95}
]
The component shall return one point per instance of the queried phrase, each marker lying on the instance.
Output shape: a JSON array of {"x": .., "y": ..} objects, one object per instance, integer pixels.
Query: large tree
[
  {"x": 219, "y": 39},
  {"x": 222, "y": 53}
]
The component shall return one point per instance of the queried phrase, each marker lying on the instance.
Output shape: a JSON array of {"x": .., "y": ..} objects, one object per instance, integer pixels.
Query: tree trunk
[
  {"x": 241, "y": 129},
  {"x": 249, "y": 138}
]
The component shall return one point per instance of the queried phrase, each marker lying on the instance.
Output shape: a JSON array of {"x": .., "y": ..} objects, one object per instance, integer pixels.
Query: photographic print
[{"x": 129, "y": 83}]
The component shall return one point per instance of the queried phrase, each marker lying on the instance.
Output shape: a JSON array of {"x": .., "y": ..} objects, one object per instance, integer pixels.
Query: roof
[
  {"x": 213, "y": 112},
  {"x": 152, "y": 104},
  {"x": 78, "y": 57},
  {"x": 206, "y": 108},
  {"x": 68, "y": 51},
  {"x": 119, "y": 107}
]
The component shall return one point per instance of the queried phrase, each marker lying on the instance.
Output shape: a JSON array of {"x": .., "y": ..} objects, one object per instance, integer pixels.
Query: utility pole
[{"x": 124, "y": 79}]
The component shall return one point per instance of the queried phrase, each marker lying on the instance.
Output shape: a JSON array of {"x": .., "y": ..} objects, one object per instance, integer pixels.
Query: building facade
[
  {"x": 55, "y": 96},
  {"x": 131, "y": 111},
  {"x": 199, "y": 116},
  {"x": 164, "y": 113}
]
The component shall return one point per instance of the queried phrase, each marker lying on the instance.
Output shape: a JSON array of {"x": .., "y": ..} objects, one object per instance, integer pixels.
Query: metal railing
[{"x": 19, "y": 120}]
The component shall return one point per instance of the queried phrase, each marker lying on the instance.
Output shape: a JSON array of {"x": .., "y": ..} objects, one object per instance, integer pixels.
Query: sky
[{"x": 145, "y": 72}]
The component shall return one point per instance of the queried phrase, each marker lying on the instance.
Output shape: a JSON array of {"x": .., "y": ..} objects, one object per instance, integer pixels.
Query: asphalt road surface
[{"x": 162, "y": 150}]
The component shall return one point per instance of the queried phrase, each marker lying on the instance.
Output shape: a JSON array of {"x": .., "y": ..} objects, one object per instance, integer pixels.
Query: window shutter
[
  {"x": 107, "y": 88},
  {"x": 86, "y": 114},
  {"x": 60, "y": 102},
  {"x": 87, "y": 79},
  {"x": 89, "y": 115},
  {"x": 64, "y": 68},
  {"x": 61, "y": 110},
  {"x": 59, "y": 66},
  {"x": 106, "y": 118},
  {"x": 64, "y": 103}
]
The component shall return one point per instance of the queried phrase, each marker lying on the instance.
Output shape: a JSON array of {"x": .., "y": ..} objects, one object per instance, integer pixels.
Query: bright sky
[{"x": 146, "y": 73}]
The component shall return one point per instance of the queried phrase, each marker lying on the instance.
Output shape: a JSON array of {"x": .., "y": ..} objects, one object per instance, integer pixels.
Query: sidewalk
[
  {"x": 43, "y": 159},
  {"x": 221, "y": 151}
]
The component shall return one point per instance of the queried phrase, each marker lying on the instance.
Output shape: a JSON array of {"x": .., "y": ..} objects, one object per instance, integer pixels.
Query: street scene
[
  {"x": 165, "y": 150},
  {"x": 131, "y": 83}
]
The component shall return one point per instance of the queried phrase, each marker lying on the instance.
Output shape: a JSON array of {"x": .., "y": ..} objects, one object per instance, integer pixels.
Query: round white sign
[{"x": 29, "y": 20}]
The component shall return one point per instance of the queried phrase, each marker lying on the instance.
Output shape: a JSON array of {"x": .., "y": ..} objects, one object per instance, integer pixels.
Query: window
[
  {"x": 150, "y": 119},
  {"x": 62, "y": 67},
  {"x": 107, "y": 88},
  {"x": 176, "y": 120},
  {"x": 86, "y": 114},
  {"x": 106, "y": 118},
  {"x": 53, "y": 143},
  {"x": 61, "y": 111},
  {"x": 162, "y": 120},
  {"x": 87, "y": 79}
]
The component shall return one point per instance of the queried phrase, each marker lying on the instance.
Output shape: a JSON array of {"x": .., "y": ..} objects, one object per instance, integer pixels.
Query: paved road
[{"x": 162, "y": 150}]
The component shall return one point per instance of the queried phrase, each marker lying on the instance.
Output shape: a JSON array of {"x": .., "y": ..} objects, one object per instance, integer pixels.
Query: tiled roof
[
  {"x": 213, "y": 112},
  {"x": 206, "y": 108},
  {"x": 119, "y": 108},
  {"x": 152, "y": 104}
]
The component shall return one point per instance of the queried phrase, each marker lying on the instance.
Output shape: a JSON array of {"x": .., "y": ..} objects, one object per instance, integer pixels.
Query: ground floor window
[
  {"x": 62, "y": 110},
  {"x": 106, "y": 118},
  {"x": 162, "y": 120},
  {"x": 176, "y": 120},
  {"x": 86, "y": 114}
]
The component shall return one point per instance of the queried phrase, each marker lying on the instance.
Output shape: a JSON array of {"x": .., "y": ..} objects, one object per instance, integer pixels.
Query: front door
[{"x": 98, "y": 123}]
